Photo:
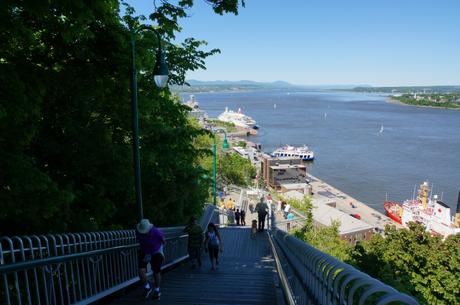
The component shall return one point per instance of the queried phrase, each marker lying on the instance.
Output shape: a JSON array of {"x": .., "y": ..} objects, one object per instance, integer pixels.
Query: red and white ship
[{"x": 432, "y": 213}]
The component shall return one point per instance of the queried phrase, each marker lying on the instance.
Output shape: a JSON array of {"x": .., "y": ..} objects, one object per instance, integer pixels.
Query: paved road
[{"x": 245, "y": 275}]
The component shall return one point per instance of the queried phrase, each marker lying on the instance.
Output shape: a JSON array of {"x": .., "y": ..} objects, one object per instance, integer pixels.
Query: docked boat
[
  {"x": 302, "y": 152},
  {"x": 393, "y": 210},
  {"x": 192, "y": 103},
  {"x": 195, "y": 109},
  {"x": 238, "y": 118},
  {"x": 426, "y": 209}
]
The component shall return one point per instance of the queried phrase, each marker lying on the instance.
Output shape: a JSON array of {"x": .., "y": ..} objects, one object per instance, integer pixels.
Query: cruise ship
[
  {"x": 302, "y": 152},
  {"x": 432, "y": 213},
  {"x": 238, "y": 118}
]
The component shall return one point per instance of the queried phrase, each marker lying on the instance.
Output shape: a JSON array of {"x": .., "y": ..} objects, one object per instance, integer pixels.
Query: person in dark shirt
[
  {"x": 237, "y": 217},
  {"x": 152, "y": 241},
  {"x": 262, "y": 211},
  {"x": 195, "y": 240},
  {"x": 243, "y": 217},
  {"x": 213, "y": 244}
]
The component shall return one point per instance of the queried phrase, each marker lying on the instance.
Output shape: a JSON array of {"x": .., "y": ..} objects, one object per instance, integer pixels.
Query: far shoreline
[{"x": 391, "y": 100}]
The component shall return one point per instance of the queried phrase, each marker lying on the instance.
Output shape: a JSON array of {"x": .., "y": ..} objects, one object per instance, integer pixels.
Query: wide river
[{"x": 343, "y": 129}]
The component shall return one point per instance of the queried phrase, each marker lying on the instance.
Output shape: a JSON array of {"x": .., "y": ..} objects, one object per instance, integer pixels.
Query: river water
[{"x": 343, "y": 129}]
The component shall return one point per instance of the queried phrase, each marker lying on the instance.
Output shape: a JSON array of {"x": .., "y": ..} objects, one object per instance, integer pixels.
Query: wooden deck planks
[{"x": 245, "y": 275}]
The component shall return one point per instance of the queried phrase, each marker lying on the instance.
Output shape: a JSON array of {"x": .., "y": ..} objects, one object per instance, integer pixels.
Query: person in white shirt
[{"x": 287, "y": 209}]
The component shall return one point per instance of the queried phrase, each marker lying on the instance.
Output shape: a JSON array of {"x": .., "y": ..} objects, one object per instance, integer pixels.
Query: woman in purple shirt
[{"x": 151, "y": 241}]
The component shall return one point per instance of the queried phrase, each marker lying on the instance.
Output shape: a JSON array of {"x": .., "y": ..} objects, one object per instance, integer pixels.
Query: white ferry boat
[
  {"x": 237, "y": 118},
  {"x": 302, "y": 152}
]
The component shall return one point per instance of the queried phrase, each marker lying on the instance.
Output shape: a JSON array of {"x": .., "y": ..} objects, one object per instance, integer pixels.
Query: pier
[
  {"x": 288, "y": 177},
  {"x": 324, "y": 193}
]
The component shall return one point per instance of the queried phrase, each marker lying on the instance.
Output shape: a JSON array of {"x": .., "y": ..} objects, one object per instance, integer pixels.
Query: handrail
[
  {"x": 287, "y": 291},
  {"x": 78, "y": 268},
  {"x": 311, "y": 276},
  {"x": 69, "y": 257}
]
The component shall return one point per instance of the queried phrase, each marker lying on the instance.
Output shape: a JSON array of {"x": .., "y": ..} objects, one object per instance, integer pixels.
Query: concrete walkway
[
  {"x": 325, "y": 193},
  {"x": 245, "y": 275}
]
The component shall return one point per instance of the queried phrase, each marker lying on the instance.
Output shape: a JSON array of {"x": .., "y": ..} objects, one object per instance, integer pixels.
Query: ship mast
[
  {"x": 457, "y": 212},
  {"x": 431, "y": 191}
]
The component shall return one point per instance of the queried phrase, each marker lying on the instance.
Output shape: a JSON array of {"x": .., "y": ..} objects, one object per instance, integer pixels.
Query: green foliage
[
  {"x": 305, "y": 206},
  {"x": 228, "y": 126},
  {"x": 327, "y": 240},
  {"x": 234, "y": 169},
  {"x": 414, "y": 262},
  {"x": 241, "y": 144},
  {"x": 409, "y": 89},
  {"x": 222, "y": 6},
  {"x": 231, "y": 167},
  {"x": 65, "y": 119},
  {"x": 432, "y": 100},
  {"x": 410, "y": 260}
]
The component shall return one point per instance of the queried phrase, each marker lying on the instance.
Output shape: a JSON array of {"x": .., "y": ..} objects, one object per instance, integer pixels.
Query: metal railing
[
  {"x": 309, "y": 276},
  {"x": 77, "y": 268}
]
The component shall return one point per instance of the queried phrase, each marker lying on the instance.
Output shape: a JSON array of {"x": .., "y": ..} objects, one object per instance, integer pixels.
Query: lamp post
[
  {"x": 161, "y": 78},
  {"x": 214, "y": 150}
]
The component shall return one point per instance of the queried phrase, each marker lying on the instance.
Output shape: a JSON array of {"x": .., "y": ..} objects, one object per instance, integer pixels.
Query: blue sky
[{"x": 313, "y": 42}]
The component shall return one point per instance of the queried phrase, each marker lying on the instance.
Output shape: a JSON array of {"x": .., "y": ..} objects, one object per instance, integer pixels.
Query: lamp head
[
  {"x": 225, "y": 144},
  {"x": 161, "y": 71}
]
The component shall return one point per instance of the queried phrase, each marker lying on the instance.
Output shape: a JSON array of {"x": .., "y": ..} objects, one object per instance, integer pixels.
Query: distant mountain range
[
  {"x": 242, "y": 85},
  {"x": 279, "y": 83},
  {"x": 245, "y": 85}
]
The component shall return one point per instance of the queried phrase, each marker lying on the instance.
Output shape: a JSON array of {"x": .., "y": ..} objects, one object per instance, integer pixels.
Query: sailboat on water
[{"x": 381, "y": 128}]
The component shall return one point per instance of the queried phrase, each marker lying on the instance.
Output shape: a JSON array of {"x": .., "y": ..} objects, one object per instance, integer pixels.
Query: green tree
[
  {"x": 327, "y": 240},
  {"x": 65, "y": 133},
  {"x": 324, "y": 238},
  {"x": 305, "y": 206},
  {"x": 234, "y": 169},
  {"x": 413, "y": 261}
]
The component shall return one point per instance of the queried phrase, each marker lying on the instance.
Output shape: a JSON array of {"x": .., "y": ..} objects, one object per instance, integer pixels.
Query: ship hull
[
  {"x": 389, "y": 209},
  {"x": 302, "y": 153},
  {"x": 303, "y": 159}
]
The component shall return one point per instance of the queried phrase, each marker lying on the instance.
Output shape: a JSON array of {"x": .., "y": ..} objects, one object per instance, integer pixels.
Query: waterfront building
[
  {"x": 351, "y": 229},
  {"x": 284, "y": 174}
]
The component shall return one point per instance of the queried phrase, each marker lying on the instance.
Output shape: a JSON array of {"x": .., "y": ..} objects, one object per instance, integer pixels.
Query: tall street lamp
[
  {"x": 160, "y": 73},
  {"x": 214, "y": 150}
]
